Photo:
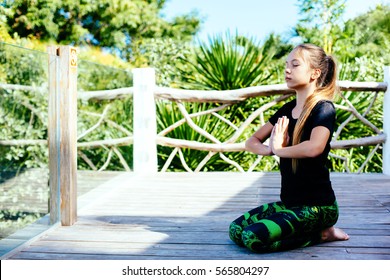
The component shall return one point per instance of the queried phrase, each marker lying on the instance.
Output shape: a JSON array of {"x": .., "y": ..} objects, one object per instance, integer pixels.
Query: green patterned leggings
[{"x": 274, "y": 227}]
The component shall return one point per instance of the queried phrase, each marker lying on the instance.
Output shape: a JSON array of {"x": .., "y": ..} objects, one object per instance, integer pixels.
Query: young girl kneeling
[{"x": 300, "y": 133}]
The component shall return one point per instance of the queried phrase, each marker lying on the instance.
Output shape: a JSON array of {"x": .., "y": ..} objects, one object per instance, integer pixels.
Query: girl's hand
[{"x": 279, "y": 136}]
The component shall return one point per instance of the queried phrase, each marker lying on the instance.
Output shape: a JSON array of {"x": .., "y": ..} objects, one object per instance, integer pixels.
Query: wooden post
[
  {"x": 145, "y": 127},
  {"x": 386, "y": 123},
  {"x": 63, "y": 134},
  {"x": 53, "y": 136}
]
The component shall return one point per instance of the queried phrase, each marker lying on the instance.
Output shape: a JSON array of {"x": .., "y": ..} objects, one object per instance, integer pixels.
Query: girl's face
[{"x": 298, "y": 73}]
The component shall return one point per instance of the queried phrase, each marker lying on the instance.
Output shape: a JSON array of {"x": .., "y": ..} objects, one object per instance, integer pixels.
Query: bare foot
[{"x": 334, "y": 234}]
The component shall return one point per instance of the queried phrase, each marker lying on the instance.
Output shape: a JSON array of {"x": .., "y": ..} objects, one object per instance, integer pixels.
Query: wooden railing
[{"x": 64, "y": 145}]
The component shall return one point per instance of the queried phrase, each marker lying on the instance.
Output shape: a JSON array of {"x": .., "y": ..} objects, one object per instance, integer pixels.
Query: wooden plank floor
[
  {"x": 27, "y": 193},
  {"x": 186, "y": 216}
]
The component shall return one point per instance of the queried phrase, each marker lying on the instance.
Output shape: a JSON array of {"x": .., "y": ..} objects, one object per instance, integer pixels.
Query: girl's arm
[
  {"x": 255, "y": 143},
  {"x": 310, "y": 148}
]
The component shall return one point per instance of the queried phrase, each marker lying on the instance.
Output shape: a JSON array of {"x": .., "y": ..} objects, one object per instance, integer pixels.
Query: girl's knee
[{"x": 235, "y": 232}]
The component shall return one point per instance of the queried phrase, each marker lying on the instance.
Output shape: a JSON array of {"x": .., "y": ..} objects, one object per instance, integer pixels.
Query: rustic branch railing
[{"x": 226, "y": 98}]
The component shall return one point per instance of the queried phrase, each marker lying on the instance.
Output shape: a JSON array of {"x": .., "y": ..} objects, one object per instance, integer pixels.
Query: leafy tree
[
  {"x": 167, "y": 56},
  {"x": 31, "y": 18},
  {"x": 4, "y": 35},
  {"x": 366, "y": 35},
  {"x": 320, "y": 21},
  {"x": 118, "y": 25}
]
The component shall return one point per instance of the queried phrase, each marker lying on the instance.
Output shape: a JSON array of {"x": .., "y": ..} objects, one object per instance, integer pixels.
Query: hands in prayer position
[{"x": 279, "y": 136}]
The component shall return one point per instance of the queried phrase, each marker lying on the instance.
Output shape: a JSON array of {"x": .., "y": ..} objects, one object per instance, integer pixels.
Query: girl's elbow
[
  {"x": 250, "y": 141},
  {"x": 315, "y": 151},
  {"x": 248, "y": 144}
]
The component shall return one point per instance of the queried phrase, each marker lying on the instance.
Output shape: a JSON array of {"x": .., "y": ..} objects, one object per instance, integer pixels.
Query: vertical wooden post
[
  {"x": 386, "y": 123},
  {"x": 68, "y": 136},
  {"x": 53, "y": 136},
  {"x": 63, "y": 134},
  {"x": 145, "y": 127}
]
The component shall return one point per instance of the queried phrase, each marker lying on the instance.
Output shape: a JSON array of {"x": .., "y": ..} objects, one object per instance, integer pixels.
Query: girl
[{"x": 300, "y": 134}]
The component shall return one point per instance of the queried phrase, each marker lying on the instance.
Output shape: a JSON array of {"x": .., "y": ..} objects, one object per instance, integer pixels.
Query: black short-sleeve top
[{"x": 310, "y": 185}]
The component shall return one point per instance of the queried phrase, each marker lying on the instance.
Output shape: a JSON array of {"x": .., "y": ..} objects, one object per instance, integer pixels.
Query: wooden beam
[
  {"x": 42, "y": 90},
  {"x": 68, "y": 134},
  {"x": 145, "y": 126},
  {"x": 223, "y": 96},
  {"x": 23, "y": 142},
  {"x": 364, "y": 141}
]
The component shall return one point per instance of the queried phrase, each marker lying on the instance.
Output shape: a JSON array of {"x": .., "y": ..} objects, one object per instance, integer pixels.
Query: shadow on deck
[{"x": 186, "y": 216}]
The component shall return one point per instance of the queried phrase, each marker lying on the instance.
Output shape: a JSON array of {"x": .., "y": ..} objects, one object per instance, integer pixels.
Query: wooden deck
[
  {"x": 186, "y": 216},
  {"x": 26, "y": 193}
]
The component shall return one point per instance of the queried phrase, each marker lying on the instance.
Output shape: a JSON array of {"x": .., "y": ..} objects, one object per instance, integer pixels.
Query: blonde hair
[{"x": 326, "y": 86}]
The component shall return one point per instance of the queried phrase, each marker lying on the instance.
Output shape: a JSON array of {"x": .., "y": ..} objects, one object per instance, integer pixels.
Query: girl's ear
[{"x": 316, "y": 73}]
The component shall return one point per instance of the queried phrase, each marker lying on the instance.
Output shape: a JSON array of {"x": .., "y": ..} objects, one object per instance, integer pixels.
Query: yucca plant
[
  {"x": 228, "y": 62},
  {"x": 223, "y": 63}
]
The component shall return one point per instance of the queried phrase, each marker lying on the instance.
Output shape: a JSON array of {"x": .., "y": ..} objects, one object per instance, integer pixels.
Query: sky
[{"x": 252, "y": 18}]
